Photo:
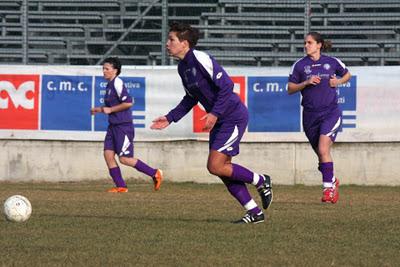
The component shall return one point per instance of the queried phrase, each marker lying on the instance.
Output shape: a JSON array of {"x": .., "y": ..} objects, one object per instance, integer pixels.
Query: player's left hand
[
  {"x": 159, "y": 123},
  {"x": 95, "y": 110},
  {"x": 333, "y": 81},
  {"x": 211, "y": 119}
]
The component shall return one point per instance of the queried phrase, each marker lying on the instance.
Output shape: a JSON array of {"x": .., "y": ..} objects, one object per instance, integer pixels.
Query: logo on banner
[
  {"x": 347, "y": 94},
  {"x": 198, "y": 111},
  {"x": 66, "y": 101},
  {"x": 19, "y": 96}
]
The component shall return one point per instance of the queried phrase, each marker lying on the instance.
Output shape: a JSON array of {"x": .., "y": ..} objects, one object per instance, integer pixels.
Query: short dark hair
[
  {"x": 185, "y": 32},
  {"x": 115, "y": 62}
]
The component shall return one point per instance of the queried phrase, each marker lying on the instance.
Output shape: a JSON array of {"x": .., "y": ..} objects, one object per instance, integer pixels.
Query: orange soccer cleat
[
  {"x": 157, "y": 179},
  {"x": 118, "y": 190}
]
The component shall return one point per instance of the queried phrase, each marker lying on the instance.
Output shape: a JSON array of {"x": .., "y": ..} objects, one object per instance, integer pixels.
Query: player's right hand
[
  {"x": 159, "y": 123},
  {"x": 314, "y": 80}
]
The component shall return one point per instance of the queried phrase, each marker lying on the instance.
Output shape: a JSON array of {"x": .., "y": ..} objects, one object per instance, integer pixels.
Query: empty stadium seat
[{"x": 236, "y": 32}]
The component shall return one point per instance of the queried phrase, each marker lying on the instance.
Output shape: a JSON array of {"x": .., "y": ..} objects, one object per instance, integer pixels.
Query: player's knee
[
  {"x": 123, "y": 160},
  {"x": 213, "y": 169},
  {"x": 323, "y": 151}
]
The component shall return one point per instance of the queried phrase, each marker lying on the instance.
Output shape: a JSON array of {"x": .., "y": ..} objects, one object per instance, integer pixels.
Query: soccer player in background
[
  {"x": 120, "y": 131},
  {"x": 316, "y": 77},
  {"x": 205, "y": 81}
]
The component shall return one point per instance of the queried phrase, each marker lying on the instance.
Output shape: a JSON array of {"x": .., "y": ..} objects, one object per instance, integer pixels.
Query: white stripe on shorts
[
  {"x": 231, "y": 139},
  {"x": 125, "y": 146},
  {"x": 335, "y": 128}
]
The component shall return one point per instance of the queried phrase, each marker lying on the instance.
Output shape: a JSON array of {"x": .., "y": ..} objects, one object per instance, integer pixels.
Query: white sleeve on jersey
[
  {"x": 205, "y": 61},
  {"x": 340, "y": 62},
  {"x": 293, "y": 66},
  {"x": 118, "y": 85}
]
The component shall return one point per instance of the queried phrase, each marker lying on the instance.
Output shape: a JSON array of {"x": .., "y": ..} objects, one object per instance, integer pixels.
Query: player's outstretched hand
[{"x": 159, "y": 123}]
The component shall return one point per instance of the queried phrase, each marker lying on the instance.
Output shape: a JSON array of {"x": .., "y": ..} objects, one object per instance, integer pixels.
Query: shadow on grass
[{"x": 119, "y": 217}]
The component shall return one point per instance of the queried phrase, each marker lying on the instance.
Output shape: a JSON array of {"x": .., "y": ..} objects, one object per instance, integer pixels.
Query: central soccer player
[{"x": 205, "y": 81}]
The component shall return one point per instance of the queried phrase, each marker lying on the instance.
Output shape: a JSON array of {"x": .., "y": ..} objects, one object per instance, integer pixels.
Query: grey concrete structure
[{"x": 287, "y": 163}]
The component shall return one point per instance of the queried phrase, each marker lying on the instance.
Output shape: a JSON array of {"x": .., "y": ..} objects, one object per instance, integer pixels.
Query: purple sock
[
  {"x": 239, "y": 191},
  {"x": 146, "y": 169},
  {"x": 117, "y": 177},
  {"x": 240, "y": 173},
  {"x": 326, "y": 168}
]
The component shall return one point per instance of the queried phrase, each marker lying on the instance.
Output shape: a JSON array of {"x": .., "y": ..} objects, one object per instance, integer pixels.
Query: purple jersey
[
  {"x": 116, "y": 93},
  {"x": 205, "y": 81},
  {"x": 321, "y": 96}
]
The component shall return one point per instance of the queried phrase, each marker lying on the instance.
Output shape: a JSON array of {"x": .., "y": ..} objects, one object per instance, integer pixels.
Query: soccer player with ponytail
[{"x": 316, "y": 76}]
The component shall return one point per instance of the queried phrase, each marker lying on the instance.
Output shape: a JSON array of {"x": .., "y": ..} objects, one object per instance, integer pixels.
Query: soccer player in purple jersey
[
  {"x": 316, "y": 77},
  {"x": 205, "y": 81},
  {"x": 120, "y": 131}
]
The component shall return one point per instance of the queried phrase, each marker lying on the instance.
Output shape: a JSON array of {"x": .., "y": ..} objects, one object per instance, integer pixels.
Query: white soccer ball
[{"x": 17, "y": 208}]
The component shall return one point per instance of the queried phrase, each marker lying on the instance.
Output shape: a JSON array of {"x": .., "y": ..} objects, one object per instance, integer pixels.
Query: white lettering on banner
[
  {"x": 132, "y": 85},
  {"x": 342, "y": 98},
  {"x": 17, "y": 96},
  {"x": 269, "y": 87},
  {"x": 81, "y": 88},
  {"x": 346, "y": 84},
  {"x": 65, "y": 86}
]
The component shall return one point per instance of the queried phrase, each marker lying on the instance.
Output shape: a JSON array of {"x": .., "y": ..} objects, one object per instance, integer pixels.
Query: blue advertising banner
[
  {"x": 270, "y": 107},
  {"x": 66, "y": 102},
  {"x": 347, "y": 99},
  {"x": 137, "y": 89}
]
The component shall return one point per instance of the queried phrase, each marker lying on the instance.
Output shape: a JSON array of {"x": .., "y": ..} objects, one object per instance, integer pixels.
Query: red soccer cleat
[{"x": 331, "y": 194}]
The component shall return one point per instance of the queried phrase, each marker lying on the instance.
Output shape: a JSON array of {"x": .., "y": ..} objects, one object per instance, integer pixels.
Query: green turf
[{"x": 185, "y": 224}]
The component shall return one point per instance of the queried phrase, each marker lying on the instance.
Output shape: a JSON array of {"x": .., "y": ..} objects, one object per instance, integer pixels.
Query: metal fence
[{"x": 236, "y": 32}]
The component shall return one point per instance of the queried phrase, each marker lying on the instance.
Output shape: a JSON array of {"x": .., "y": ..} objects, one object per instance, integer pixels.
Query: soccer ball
[{"x": 17, "y": 208}]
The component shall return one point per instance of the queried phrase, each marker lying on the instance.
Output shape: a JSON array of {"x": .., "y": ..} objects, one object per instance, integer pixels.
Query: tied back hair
[{"x": 326, "y": 44}]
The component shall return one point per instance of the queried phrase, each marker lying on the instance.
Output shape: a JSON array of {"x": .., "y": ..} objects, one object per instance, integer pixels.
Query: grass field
[{"x": 185, "y": 224}]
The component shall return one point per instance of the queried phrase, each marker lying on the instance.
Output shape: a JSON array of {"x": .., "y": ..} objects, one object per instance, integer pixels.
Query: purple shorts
[
  {"x": 321, "y": 123},
  {"x": 227, "y": 133},
  {"x": 119, "y": 138}
]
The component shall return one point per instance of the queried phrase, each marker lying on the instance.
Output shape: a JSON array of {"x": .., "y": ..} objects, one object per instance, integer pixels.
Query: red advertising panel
[
  {"x": 19, "y": 101},
  {"x": 199, "y": 112}
]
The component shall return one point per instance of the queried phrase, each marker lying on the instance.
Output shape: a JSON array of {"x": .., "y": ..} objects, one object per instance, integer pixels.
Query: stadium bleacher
[{"x": 236, "y": 32}]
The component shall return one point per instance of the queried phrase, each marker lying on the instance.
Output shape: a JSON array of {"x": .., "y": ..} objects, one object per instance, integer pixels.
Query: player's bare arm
[{"x": 117, "y": 108}]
